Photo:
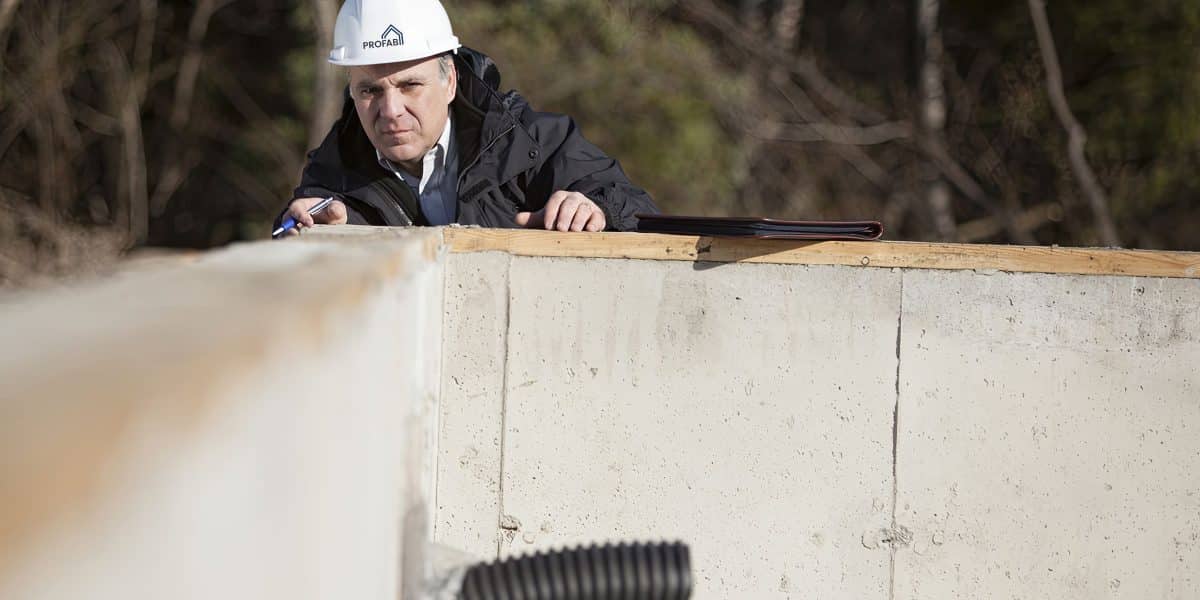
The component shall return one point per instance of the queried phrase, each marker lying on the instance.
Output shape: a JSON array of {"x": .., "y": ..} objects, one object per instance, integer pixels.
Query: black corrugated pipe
[{"x": 621, "y": 572}]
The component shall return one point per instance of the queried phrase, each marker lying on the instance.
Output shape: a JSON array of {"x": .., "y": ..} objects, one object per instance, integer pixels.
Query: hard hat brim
[{"x": 340, "y": 57}]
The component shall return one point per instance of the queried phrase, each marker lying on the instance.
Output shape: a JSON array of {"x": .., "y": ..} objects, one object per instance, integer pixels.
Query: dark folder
[{"x": 771, "y": 229}]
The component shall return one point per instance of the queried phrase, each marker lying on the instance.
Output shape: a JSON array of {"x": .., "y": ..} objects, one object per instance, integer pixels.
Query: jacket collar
[{"x": 483, "y": 115}]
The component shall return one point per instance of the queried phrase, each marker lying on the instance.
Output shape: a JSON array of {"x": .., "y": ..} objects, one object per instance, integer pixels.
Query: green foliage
[
  {"x": 1137, "y": 69},
  {"x": 1132, "y": 74},
  {"x": 644, "y": 89}
]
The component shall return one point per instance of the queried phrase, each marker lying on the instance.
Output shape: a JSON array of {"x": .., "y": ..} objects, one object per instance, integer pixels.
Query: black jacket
[{"x": 511, "y": 159}]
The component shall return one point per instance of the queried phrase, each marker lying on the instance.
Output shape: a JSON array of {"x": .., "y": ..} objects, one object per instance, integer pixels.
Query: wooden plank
[{"x": 906, "y": 255}]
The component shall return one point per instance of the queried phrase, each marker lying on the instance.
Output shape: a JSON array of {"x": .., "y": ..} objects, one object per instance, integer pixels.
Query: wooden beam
[{"x": 905, "y": 255}]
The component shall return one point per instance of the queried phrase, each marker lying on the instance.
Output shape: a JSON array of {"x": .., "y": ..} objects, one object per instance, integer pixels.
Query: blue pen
[{"x": 290, "y": 223}]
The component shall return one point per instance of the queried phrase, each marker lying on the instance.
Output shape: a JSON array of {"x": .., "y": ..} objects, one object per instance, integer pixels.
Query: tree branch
[
  {"x": 1077, "y": 137},
  {"x": 957, "y": 174},
  {"x": 864, "y": 164},
  {"x": 327, "y": 88},
  {"x": 263, "y": 129},
  {"x": 7, "y": 9},
  {"x": 786, "y": 23},
  {"x": 174, "y": 172},
  {"x": 1027, "y": 220},
  {"x": 143, "y": 49},
  {"x": 833, "y": 133},
  {"x": 803, "y": 67},
  {"x": 931, "y": 111},
  {"x": 133, "y": 214}
]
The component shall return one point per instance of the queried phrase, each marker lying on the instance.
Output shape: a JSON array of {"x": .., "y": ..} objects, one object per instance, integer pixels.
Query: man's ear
[{"x": 452, "y": 81}]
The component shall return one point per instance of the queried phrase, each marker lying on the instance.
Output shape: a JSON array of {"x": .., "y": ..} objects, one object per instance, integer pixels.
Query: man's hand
[
  {"x": 334, "y": 214},
  {"x": 566, "y": 211}
]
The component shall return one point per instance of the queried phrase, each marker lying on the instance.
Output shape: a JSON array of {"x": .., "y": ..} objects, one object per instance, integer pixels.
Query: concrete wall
[
  {"x": 1049, "y": 440},
  {"x": 249, "y": 425},
  {"x": 296, "y": 419},
  {"x": 829, "y": 431}
]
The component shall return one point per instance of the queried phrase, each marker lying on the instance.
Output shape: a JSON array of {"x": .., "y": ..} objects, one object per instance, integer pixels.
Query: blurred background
[{"x": 133, "y": 124}]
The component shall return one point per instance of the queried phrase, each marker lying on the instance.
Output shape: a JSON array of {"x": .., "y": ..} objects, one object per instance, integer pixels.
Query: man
[{"x": 435, "y": 143}]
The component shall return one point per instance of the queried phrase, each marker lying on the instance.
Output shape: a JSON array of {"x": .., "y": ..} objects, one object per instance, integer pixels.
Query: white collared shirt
[{"x": 437, "y": 189}]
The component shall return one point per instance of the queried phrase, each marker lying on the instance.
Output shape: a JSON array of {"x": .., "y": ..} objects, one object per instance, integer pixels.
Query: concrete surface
[
  {"x": 1049, "y": 440},
  {"x": 475, "y": 338},
  {"x": 276, "y": 420},
  {"x": 1046, "y": 444},
  {"x": 746, "y": 410},
  {"x": 245, "y": 426}
]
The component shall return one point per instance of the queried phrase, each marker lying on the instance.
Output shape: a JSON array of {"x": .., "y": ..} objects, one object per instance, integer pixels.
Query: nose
[{"x": 391, "y": 104}]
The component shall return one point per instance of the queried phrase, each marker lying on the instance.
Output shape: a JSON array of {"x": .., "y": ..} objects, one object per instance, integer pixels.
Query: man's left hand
[{"x": 565, "y": 211}]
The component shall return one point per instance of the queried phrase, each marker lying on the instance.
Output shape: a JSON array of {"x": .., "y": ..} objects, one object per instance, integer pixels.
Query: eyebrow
[{"x": 380, "y": 82}]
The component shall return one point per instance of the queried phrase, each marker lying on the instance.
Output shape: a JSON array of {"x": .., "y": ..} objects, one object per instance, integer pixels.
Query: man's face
[{"x": 403, "y": 107}]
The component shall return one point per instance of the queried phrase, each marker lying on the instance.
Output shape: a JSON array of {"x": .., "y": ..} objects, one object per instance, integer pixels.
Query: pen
[{"x": 290, "y": 222}]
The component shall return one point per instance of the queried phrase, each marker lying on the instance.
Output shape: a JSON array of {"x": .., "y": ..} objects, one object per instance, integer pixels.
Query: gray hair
[{"x": 445, "y": 63}]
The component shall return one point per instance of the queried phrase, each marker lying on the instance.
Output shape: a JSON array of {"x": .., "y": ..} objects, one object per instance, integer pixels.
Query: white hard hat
[{"x": 375, "y": 32}]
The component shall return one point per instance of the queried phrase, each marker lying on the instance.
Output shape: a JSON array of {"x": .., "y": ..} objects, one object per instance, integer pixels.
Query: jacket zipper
[{"x": 399, "y": 205}]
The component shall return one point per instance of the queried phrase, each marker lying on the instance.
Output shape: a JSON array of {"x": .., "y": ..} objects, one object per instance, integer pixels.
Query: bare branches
[
  {"x": 829, "y": 114},
  {"x": 264, "y": 132},
  {"x": 108, "y": 115},
  {"x": 834, "y": 133},
  {"x": 7, "y": 9},
  {"x": 957, "y": 174},
  {"x": 174, "y": 169},
  {"x": 864, "y": 164},
  {"x": 1077, "y": 137},
  {"x": 931, "y": 110},
  {"x": 327, "y": 88},
  {"x": 143, "y": 50},
  {"x": 805, "y": 68},
  {"x": 814, "y": 79},
  {"x": 1026, "y": 220},
  {"x": 787, "y": 22},
  {"x": 189, "y": 65},
  {"x": 132, "y": 187}
]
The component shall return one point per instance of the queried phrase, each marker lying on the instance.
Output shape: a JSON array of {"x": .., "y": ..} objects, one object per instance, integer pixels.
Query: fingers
[
  {"x": 531, "y": 219},
  {"x": 597, "y": 222},
  {"x": 334, "y": 214},
  {"x": 298, "y": 210},
  {"x": 582, "y": 214},
  {"x": 572, "y": 211},
  {"x": 566, "y": 213},
  {"x": 553, "y": 206}
]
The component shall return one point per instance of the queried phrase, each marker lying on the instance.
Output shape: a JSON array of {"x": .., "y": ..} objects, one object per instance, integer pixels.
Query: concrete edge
[{"x": 64, "y": 408}]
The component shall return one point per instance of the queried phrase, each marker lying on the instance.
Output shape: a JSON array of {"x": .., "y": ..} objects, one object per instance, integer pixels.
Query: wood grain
[{"x": 905, "y": 255}]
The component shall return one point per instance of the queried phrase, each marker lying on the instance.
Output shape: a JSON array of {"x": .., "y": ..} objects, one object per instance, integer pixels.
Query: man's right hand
[{"x": 334, "y": 214}]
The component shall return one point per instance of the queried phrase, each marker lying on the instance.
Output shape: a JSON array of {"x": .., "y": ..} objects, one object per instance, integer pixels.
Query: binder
[{"x": 760, "y": 228}]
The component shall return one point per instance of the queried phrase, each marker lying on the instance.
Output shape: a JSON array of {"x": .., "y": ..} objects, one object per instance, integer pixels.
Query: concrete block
[
  {"x": 744, "y": 409},
  {"x": 1049, "y": 439},
  {"x": 229, "y": 428},
  {"x": 475, "y": 322}
]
